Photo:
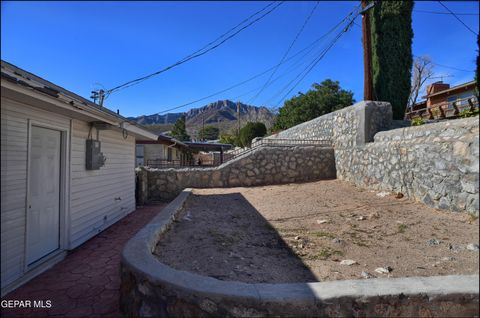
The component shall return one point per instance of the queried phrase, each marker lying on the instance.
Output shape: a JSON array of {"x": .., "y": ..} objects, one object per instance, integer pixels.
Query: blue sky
[{"x": 86, "y": 45}]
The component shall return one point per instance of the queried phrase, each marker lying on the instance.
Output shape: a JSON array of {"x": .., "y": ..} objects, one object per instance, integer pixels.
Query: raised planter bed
[{"x": 151, "y": 288}]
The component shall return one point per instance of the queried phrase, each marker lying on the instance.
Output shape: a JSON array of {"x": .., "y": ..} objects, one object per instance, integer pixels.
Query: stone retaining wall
[
  {"x": 350, "y": 126},
  {"x": 150, "y": 288},
  {"x": 262, "y": 166},
  {"x": 436, "y": 164}
]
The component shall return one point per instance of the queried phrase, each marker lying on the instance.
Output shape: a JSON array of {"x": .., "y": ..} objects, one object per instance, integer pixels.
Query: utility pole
[
  {"x": 238, "y": 118},
  {"x": 367, "y": 51},
  {"x": 203, "y": 126},
  {"x": 101, "y": 97}
]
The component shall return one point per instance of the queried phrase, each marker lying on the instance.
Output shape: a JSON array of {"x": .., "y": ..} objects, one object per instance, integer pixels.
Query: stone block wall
[
  {"x": 436, "y": 164},
  {"x": 347, "y": 127},
  {"x": 262, "y": 166}
]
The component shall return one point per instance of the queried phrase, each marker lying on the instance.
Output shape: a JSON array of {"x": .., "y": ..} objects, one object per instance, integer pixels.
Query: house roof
[
  {"x": 464, "y": 85},
  {"x": 29, "y": 83},
  {"x": 199, "y": 146},
  {"x": 208, "y": 146},
  {"x": 163, "y": 139}
]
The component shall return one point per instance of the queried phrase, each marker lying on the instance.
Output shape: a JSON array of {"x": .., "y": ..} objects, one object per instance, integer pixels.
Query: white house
[
  {"x": 67, "y": 172},
  {"x": 166, "y": 151}
]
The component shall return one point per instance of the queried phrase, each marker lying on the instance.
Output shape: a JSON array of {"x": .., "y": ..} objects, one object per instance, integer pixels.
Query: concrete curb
[{"x": 151, "y": 288}]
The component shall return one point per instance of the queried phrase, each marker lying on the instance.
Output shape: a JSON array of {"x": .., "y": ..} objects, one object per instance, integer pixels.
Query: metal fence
[
  {"x": 444, "y": 110},
  {"x": 276, "y": 142},
  {"x": 230, "y": 155},
  {"x": 164, "y": 163}
]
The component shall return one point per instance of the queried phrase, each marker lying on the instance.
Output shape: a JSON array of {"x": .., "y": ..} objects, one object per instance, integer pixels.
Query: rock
[
  {"x": 337, "y": 240},
  {"x": 187, "y": 217},
  {"x": 301, "y": 246},
  {"x": 348, "y": 262},
  {"x": 433, "y": 241},
  {"x": 373, "y": 215},
  {"x": 322, "y": 221},
  {"x": 454, "y": 247},
  {"x": 448, "y": 258},
  {"x": 399, "y": 195},
  {"x": 472, "y": 247},
  {"x": 366, "y": 275},
  {"x": 361, "y": 218},
  {"x": 297, "y": 237},
  {"x": 383, "y": 270},
  {"x": 382, "y": 194}
]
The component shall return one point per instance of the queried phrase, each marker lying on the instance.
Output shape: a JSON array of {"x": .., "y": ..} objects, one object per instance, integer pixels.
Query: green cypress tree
[{"x": 392, "y": 34}]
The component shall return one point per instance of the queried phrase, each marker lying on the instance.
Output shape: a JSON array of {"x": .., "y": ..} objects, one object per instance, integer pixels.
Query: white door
[{"x": 43, "y": 211}]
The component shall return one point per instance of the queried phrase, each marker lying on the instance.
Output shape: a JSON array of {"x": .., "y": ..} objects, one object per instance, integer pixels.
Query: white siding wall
[
  {"x": 93, "y": 206},
  {"x": 159, "y": 151},
  {"x": 154, "y": 151},
  {"x": 92, "y": 193},
  {"x": 14, "y": 145}
]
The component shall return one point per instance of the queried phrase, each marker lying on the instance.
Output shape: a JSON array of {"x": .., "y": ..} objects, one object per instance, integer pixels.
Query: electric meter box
[{"x": 94, "y": 158}]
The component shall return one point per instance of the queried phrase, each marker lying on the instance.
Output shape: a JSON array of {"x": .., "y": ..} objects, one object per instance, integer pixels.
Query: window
[{"x": 139, "y": 154}]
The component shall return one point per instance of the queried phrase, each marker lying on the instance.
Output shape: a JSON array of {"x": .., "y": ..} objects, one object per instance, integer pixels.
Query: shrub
[
  {"x": 417, "y": 121},
  {"x": 228, "y": 139},
  {"x": 468, "y": 113},
  {"x": 250, "y": 131},
  {"x": 322, "y": 99}
]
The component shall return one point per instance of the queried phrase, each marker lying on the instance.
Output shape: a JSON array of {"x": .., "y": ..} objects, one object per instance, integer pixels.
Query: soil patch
[{"x": 312, "y": 231}]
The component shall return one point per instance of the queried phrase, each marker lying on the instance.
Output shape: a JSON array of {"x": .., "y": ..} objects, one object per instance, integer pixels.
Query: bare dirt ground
[{"x": 303, "y": 232}]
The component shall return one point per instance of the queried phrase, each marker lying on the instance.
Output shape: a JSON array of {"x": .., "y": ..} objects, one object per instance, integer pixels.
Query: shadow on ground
[{"x": 225, "y": 237}]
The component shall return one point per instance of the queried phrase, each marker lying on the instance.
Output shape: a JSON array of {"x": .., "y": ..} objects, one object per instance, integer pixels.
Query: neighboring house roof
[
  {"x": 419, "y": 105},
  {"x": 208, "y": 146},
  {"x": 465, "y": 86},
  {"x": 163, "y": 139},
  {"x": 15, "y": 79},
  {"x": 200, "y": 146}
]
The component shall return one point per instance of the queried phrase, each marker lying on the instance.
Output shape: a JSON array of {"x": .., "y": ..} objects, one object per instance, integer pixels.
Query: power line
[
  {"x": 438, "y": 12},
  {"x": 456, "y": 17},
  {"x": 441, "y": 65},
  {"x": 224, "y": 34},
  {"x": 286, "y": 53},
  {"x": 292, "y": 67},
  {"x": 261, "y": 73},
  {"x": 453, "y": 68},
  {"x": 446, "y": 66},
  {"x": 310, "y": 64},
  {"x": 199, "y": 52},
  {"x": 316, "y": 61}
]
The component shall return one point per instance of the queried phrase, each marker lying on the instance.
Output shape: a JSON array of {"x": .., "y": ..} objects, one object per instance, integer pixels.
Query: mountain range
[{"x": 221, "y": 114}]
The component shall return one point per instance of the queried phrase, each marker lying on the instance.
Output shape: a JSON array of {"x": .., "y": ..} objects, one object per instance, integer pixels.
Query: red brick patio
[{"x": 86, "y": 283}]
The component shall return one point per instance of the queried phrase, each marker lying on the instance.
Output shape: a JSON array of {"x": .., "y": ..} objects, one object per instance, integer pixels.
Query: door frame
[{"x": 64, "y": 201}]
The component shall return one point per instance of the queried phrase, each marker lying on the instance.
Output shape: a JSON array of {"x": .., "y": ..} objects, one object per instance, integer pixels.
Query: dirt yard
[{"x": 327, "y": 230}]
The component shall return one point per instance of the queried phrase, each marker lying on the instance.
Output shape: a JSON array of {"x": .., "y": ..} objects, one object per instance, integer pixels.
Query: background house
[
  {"x": 169, "y": 152},
  {"x": 443, "y": 101},
  {"x": 165, "y": 151},
  {"x": 67, "y": 172}
]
